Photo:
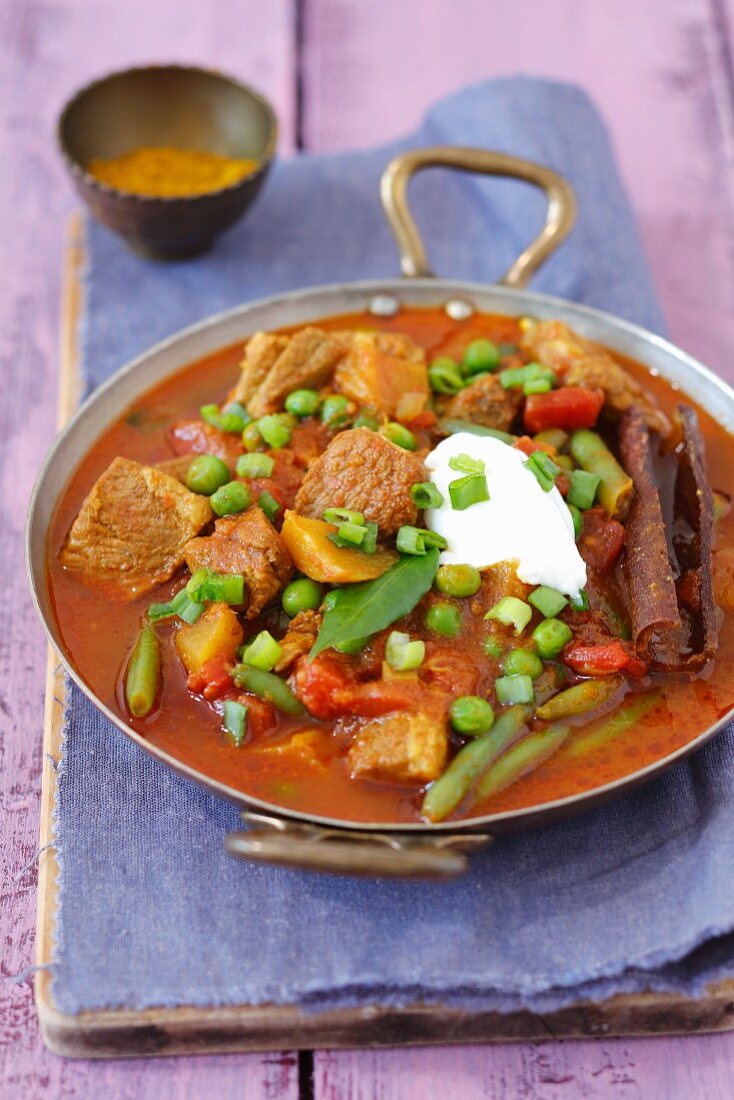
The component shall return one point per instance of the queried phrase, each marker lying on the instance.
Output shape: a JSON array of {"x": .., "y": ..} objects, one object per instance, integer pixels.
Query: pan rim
[{"x": 529, "y": 816}]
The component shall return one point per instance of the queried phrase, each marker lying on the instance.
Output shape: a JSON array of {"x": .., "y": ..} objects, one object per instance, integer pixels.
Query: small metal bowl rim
[{"x": 80, "y": 173}]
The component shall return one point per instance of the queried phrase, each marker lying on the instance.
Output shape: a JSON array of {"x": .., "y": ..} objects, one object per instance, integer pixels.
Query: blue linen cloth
[{"x": 151, "y": 911}]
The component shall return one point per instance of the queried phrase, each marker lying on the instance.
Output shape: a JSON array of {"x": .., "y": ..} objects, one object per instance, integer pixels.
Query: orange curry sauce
[{"x": 99, "y": 626}]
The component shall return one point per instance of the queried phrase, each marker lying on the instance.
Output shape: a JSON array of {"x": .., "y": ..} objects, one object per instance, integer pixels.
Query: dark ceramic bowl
[{"x": 169, "y": 105}]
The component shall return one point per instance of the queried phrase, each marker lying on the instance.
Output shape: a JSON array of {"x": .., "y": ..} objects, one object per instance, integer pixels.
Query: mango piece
[
  {"x": 217, "y": 633},
  {"x": 314, "y": 554}
]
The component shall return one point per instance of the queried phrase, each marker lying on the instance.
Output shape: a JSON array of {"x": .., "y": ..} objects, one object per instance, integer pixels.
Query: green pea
[
  {"x": 481, "y": 355},
  {"x": 458, "y": 580},
  {"x": 302, "y": 403},
  {"x": 492, "y": 647},
  {"x": 367, "y": 420},
  {"x": 301, "y": 595},
  {"x": 523, "y": 662},
  {"x": 335, "y": 410},
  {"x": 396, "y": 433},
  {"x": 206, "y": 474},
  {"x": 252, "y": 439},
  {"x": 444, "y": 618},
  {"x": 471, "y": 715},
  {"x": 230, "y": 499}
]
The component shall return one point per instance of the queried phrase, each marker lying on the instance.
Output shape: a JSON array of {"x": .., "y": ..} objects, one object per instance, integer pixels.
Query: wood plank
[
  {"x": 655, "y": 69},
  {"x": 48, "y": 51}
]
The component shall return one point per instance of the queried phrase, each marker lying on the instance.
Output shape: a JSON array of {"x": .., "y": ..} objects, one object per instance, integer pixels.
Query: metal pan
[{"x": 304, "y": 840}]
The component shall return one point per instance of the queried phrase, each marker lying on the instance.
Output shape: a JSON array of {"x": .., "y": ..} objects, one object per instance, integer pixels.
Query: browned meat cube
[
  {"x": 403, "y": 747},
  {"x": 261, "y": 352},
  {"x": 486, "y": 402},
  {"x": 134, "y": 525},
  {"x": 298, "y": 639},
  {"x": 579, "y": 362},
  {"x": 307, "y": 361},
  {"x": 246, "y": 544},
  {"x": 366, "y": 472},
  {"x": 380, "y": 369}
]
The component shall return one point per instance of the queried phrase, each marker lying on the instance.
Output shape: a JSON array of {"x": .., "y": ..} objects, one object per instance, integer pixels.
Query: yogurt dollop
[{"x": 520, "y": 522}]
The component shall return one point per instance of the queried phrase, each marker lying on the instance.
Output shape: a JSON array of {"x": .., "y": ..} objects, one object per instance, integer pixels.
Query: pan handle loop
[
  {"x": 560, "y": 215},
  {"x": 285, "y": 843}
]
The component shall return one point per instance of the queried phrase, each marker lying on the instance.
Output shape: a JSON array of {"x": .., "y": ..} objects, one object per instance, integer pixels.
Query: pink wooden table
[{"x": 342, "y": 73}]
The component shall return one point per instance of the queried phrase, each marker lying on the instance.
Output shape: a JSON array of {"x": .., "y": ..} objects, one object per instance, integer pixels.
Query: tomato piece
[
  {"x": 602, "y": 660},
  {"x": 602, "y": 540},
  {"x": 424, "y": 420},
  {"x": 568, "y": 408},
  {"x": 327, "y": 690},
  {"x": 213, "y": 678},
  {"x": 527, "y": 445},
  {"x": 196, "y": 437}
]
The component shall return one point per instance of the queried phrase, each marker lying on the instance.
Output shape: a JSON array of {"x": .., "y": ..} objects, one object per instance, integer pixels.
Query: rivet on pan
[
  {"x": 383, "y": 305},
  {"x": 458, "y": 309}
]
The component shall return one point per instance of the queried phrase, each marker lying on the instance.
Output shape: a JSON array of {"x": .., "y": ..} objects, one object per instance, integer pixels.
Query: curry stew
[{"x": 407, "y": 569}]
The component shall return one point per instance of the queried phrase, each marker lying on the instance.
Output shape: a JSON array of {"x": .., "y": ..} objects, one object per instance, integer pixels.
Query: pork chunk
[
  {"x": 306, "y": 360},
  {"x": 302, "y": 632},
  {"x": 579, "y": 362},
  {"x": 379, "y": 369},
  {"x": 363, "y": 471},
  {"x": 247, "y": 544},
  {"x": 403, "y": 747},
  {"x": 486, "y": 402},
  {"x": 261, "y": 353},
  {"x": 134, "y": 525}
]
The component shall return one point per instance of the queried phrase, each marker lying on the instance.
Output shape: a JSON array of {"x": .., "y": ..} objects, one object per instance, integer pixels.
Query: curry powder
[{"x": 170, "y": 173}]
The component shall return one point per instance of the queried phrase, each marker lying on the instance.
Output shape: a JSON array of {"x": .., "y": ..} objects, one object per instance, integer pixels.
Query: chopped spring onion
[
  {"x": 518, "y": 377},
  {"x": 226, "y": 421},
  {"x": 402, "y": 653},
  {"x": 548, "y": 601},
  {"x": 536, "y": 385},
  {"x": 416, "y": 540},
  {"x": 543, "y": 468},
  {"x": 269, "y": 505},
  {"x": 551, "y": 636},
  {"x": 343, "y": 515},
  {"x": 468, "y": 490},
  {"x": 514, "y": 689},
  {"x": 187, "y": 609},
  {"x": 580, "y": 602},
  {"x": 255, "y": 465},
  {"x": 158, "y": 611},
  {"x": 275, "y": 433},
  {"x": 425, "y": 494},
  {"x": 444, "y": 375},
  {"x": 465, "y": 464},
  {"x": 349, "y": 534},
  {"x": 263, "y": 652},
  {"x": 582, "y": 490},
  {"x": 234, "y": 720},
  {"x": 511, "y": 612},
  {"x": 578, "y": 519},
  {"x": 209, "y": 587},
  {"x": 268, "y": 686}
]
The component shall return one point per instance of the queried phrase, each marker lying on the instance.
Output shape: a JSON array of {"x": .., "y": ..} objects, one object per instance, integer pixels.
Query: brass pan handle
[
  {"x": 306, "y": 847},
  {"x": 559, "y": 220}
]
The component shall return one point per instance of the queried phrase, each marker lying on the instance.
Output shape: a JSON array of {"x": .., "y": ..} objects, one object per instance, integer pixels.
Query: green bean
[
  {"x": 578, "y": 699},
  {"x": 443, "y": 796},
  {"x": 616, "y": 724},
  {"x": 451, "y": 426},
  {"x": 592, "y": 454},
  {"x": 268, "y": 686},
  {"x": 521, "y": 759},
  {"x": 143, "y": 672}
]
